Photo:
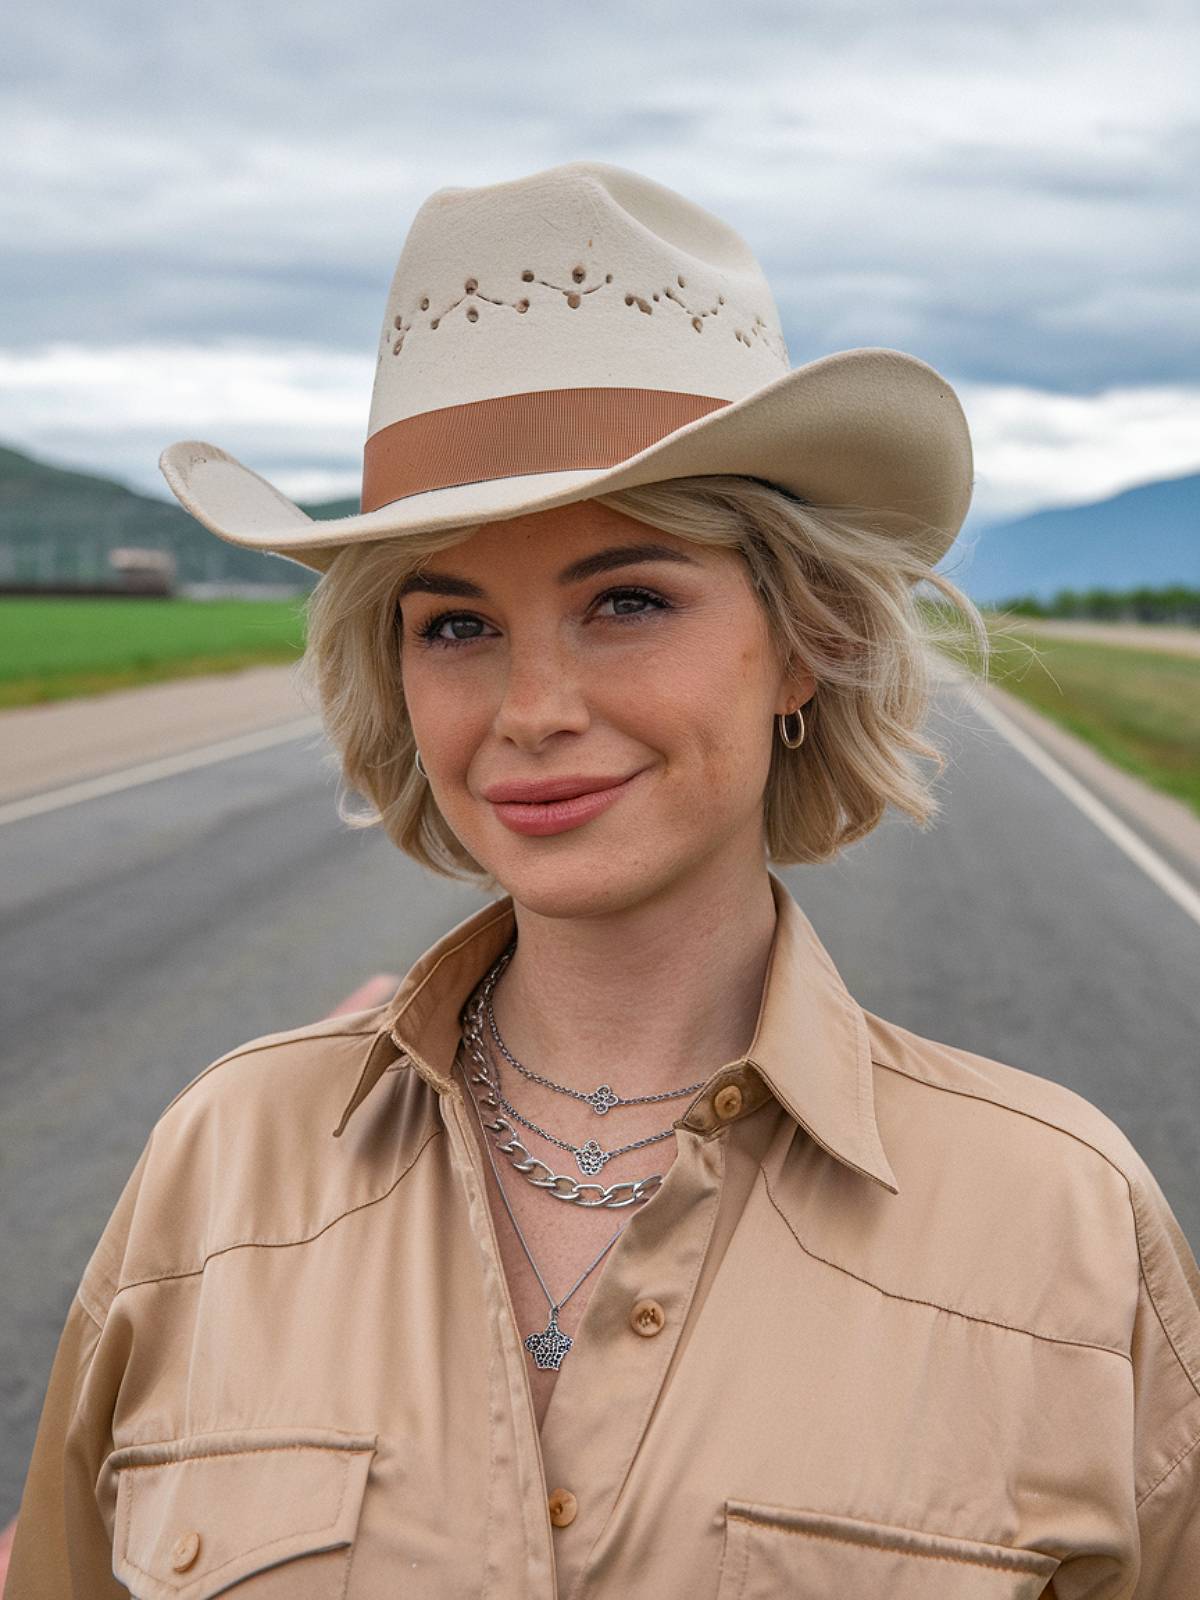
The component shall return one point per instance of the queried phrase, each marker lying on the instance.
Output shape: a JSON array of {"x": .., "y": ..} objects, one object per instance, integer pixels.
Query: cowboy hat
[{"x": 582, "y": 330}]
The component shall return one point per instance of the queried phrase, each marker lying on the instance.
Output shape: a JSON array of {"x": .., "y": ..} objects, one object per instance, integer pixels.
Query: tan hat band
[{"x": 543, "y": 430}]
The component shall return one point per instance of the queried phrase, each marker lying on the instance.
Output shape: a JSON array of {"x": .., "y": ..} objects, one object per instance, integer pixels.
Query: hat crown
[{"x": 583, "y": 275}]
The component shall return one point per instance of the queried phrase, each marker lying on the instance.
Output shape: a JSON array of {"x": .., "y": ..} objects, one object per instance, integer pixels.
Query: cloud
[
  {"x": 296, "y": 415},
  {"x": 210, "y": 201},
  {"x": 299, "y": 417},
  {"x": 1034, "y": 448}
]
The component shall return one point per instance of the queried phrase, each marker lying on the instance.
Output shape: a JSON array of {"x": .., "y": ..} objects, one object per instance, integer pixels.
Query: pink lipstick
[{"x": 556, "y": 816}]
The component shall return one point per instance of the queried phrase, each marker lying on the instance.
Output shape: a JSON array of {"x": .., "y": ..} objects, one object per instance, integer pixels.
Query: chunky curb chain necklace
[
  {"x": 589, "y": 1156},
  {"x": 561, "y": 1185}
]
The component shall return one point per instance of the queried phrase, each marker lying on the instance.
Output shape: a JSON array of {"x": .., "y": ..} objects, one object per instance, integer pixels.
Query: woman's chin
[{"x": 585, "y": 879}]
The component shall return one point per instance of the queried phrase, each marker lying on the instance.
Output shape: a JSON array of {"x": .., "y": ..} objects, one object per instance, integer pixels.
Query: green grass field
[
  {"x": 1138, "y": 708},
  {"x": 57, "y": 648}
]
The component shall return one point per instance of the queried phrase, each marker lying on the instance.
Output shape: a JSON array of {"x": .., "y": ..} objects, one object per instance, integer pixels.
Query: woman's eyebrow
[{"x": 621, "y": 555}]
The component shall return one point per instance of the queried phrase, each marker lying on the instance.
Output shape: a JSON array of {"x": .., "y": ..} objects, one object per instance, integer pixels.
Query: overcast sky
[{"x": 202, "y": 206}]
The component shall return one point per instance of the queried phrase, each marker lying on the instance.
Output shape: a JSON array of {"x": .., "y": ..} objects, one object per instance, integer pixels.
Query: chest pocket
[
  {"x": 264, "y": 1512},
  {"x": 771, "y": 1551}
]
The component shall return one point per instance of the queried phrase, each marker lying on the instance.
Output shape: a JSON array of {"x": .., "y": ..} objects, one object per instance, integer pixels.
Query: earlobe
[
  {"x": 806, "y": 691},
  {"x": 800, "y": 686}
]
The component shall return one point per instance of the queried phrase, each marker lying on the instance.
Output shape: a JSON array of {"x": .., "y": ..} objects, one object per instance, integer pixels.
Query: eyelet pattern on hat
[{"x": 758, "y": 331}]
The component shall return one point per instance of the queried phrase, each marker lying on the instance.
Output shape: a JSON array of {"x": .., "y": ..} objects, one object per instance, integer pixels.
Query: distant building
[{"x": 143, "y": 571}]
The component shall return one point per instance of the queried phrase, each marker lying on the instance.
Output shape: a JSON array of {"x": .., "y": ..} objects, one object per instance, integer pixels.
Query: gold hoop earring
[{"x": 792, "y": 744}]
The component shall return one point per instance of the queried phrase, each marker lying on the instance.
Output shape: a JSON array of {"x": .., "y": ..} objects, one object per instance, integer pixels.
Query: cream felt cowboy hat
[{"x": 583, "y": 330}]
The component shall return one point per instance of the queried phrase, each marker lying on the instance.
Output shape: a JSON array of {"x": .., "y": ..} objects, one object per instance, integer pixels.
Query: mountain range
[
  {"x": 57, "y": 524},
  {"x": 1144, "y": 537}
]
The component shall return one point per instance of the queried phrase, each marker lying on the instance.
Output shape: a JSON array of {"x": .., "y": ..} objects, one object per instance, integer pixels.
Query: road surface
[{"x": 146, "y": 931}]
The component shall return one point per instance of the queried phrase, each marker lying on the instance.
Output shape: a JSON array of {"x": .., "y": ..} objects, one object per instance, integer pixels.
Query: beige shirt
[{"x": 901, "y": 1321}]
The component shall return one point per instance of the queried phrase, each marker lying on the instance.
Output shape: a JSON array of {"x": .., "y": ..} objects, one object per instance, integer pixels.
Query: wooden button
[
  {"x": 647, "y": 1318},
  {"x": 728, "y": 1101},
  {"x": 184, "y": 1551},
  {"x": 563, "y": 1506}
]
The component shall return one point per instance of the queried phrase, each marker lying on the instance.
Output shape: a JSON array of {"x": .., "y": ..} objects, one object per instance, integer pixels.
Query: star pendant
[{"x": 549, "y": 1347}]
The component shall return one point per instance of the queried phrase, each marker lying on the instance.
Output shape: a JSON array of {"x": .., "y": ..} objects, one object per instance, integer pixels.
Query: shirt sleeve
[
  {"x": 62, "y": 1549},
  {"x": 1169, "y": 1525},
  {"x": 1166, "y": 1413}
]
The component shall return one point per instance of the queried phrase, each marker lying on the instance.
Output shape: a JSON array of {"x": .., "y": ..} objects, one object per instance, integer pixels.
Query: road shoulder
[
  {"x": 1167, "y": 824},
  {"x": 66, "y": 741}
]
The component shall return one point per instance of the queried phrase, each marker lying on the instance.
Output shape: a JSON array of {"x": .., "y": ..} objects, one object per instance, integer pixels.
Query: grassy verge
[
  {"x": 1140, "y": 709},
  {"x": 60, "y": 648}
]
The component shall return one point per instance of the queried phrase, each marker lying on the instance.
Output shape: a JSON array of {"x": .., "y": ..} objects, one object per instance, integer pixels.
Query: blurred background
[{"x": 202, "y": 209}]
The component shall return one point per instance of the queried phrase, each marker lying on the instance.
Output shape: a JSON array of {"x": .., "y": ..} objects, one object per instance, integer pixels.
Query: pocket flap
[
  {"x": 198, "y": 1514},
  {"x": 774, "y": 1550}
]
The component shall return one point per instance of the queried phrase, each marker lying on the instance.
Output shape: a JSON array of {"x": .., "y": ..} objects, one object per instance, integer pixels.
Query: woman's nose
[{"x": 541, "y": 691}]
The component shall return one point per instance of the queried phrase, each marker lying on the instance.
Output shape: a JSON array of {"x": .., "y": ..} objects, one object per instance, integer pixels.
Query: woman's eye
[
  {"x": 641, "y": 596},
  {"x": 431, "y": 632}
]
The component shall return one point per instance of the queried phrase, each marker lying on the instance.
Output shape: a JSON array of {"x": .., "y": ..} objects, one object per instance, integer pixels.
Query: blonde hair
[{"x": 838, "y": 590}]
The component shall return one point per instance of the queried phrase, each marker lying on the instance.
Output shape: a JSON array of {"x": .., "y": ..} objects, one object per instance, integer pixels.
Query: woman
[{"x": 641, "y": 1259}]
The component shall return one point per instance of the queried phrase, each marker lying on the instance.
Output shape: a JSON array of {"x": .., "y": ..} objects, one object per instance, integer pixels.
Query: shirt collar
[{"x": 810, "y": 1049}]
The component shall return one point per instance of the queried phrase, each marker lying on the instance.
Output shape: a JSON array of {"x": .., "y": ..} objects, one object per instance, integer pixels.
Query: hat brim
[{"x": 873, "y": 429}]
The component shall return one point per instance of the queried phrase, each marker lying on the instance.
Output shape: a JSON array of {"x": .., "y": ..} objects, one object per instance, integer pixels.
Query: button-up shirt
[{"x": 900, "y": 1321}]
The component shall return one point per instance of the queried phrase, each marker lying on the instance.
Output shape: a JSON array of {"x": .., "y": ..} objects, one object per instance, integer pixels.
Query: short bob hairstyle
[{"x": 838, "y": 591}]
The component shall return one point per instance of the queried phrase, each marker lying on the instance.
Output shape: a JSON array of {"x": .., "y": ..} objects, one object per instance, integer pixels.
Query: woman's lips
[{"x": 556, "y": 816}]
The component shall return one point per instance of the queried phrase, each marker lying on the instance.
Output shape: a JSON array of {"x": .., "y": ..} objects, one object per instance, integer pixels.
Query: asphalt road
[{"x": 143, "y": 933}]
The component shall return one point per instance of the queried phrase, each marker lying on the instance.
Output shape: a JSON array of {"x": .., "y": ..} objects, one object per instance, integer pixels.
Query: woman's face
[{"x": 659, "y": 671}]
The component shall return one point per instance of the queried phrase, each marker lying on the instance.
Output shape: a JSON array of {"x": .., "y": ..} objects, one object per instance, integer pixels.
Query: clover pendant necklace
[
  {"x": 601, "y": 1099},
  {"x": 590, "y": 1156}
]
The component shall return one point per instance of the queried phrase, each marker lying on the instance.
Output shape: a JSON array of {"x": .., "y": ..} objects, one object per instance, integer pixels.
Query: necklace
[
  {"x": 601, "y": 1099},
  {"x": 589, "y": 1156},
  {"x": 561, "y": 1185},
  {"x": 550, "y": 1345}
]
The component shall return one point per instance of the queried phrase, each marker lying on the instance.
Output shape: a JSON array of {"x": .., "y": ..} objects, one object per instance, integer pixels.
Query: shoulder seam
[
  {"x": 254, "y": 1047},
  {"x": 1088, "y": 1145},
  {"x": 953, "y": 1311},
  {"x": 1001, "y": 1105},
  {"x": 281, "y": 1244}
]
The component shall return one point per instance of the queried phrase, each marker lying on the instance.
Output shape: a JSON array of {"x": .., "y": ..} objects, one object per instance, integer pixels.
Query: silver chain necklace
[
  {"x": 589, "y": 1156},
  {"x": 561, "y": 1185},
  {"x": 601, "y": 1099},
  {"x": 550, "y": 1345}
]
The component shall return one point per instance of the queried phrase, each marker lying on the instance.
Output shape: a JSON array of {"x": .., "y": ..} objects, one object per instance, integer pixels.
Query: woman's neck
[{"x": 646, "y": 997}]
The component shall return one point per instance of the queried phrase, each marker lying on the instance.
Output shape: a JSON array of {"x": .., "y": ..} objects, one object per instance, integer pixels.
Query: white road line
[
  {"x": 1136, "y": 848},
  {"x": 207, "y": 755}
]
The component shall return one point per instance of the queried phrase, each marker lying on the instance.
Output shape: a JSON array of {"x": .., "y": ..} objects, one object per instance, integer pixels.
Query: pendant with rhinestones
[
  {"x": 549, "y": 1347},
  {"x": 601, "y": 1100},
  {"x": 590, "y": 1158}
]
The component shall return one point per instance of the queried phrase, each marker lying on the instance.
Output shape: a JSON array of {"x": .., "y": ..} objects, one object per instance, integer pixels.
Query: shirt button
[
  {"x": 563, "y": 1506},
  {"x": 647, "y": 1317},
  {"x": 184, "y": 1551},
  {"x": 728, "y": 1101}
]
